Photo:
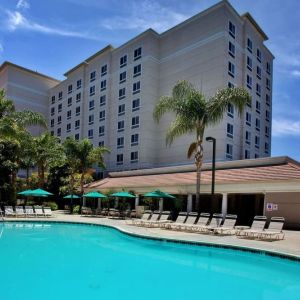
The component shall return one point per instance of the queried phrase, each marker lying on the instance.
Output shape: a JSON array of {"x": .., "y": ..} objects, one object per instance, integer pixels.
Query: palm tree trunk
[{"x": 198, "y": 162}]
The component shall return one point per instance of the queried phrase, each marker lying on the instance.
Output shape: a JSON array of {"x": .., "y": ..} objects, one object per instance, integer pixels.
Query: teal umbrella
[
  {"x": 39, "y": 193},
  {"x": 25, "y": 193},
  {"x": 94, "y": 195},
  {"x": 71, "y": 197},
  {"x": 123, "y": 195},
  {"x": 159, "y": 194}
]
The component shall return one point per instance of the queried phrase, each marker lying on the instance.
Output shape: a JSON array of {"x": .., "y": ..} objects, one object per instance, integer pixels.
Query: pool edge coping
[{"x": 251, "y": 249}]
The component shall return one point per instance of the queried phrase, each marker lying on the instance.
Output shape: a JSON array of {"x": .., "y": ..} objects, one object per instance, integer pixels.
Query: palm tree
[
  {"x": 82, "y": 155},
  {"x": 193, "y": 113}
]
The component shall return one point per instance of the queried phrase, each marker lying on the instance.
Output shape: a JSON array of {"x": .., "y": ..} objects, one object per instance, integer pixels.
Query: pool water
[{"x": 70, "y": 261}]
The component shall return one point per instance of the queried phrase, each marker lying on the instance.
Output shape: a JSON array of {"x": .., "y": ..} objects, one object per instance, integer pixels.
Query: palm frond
[
  {"x": 29, "y": 118},
  {"x": 192, "y": 149},
  {"x": 165, "y": 104}
]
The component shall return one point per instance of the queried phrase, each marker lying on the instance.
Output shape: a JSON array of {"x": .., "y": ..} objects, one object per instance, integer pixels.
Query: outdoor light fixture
[{"x": 213, "y": 140}]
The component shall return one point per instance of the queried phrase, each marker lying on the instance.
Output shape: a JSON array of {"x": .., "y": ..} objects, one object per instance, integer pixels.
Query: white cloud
[
  {"x": 284, "y": 127},
  {"x": 18, "y": 21},
  {"x": 295, "y": 73},
  {"x": 143, "y": 15},
  {"x": 1, "y": 48},
  {"x": 23, "y": 4}
]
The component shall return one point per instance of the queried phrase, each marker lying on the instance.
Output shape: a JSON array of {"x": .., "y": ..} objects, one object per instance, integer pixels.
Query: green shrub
[
  {"x": 52, "y": 205},
  {"x": 76, "y": 209}
]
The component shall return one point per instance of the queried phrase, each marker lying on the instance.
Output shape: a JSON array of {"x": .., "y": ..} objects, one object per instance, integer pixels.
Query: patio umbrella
[
  {"x": 123, "y": 195},
  {"x": 40, "y": 193},
  {"x": 94, "y": 194},
  {"x": 161, "y": 195},
  {"x": 71, "y": 202},
  {"x": 25, "y": 193}
]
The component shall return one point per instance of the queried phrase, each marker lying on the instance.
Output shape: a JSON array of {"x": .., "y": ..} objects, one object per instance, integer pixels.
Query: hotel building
[{"x": 109, "y": 98}]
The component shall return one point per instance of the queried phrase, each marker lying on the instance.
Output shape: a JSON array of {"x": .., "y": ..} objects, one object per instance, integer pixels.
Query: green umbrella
[
  {"x": 39, "y": 193},
  {"x": 123, "y": 195},
  {"x": 94, "y": 195},
  {"x": 25, "y": 193},
  {"x": 159, "y": 194},
  {"x": 71, "y": 197}
]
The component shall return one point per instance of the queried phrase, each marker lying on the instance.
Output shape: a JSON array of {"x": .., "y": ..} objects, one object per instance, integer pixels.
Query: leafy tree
[{"x": 193, "y": 113}]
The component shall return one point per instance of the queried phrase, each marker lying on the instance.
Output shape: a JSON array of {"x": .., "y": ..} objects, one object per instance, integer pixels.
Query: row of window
[
  {"x": 134, "y": 158},
  {"x": 229, "y": 150}
]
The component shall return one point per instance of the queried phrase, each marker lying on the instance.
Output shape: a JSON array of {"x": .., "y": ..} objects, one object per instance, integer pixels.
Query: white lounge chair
[
  {"x": 146, "y": 215},
  {"x": 163, "y": 219},
  {"x": 202, "y": 223},
  {"x": 180, "y": 220},
  {"x": 39, "y": 211},
  {"x": 190, "y": 220},
  {"x": 47, "y": 212},
  {"x": 258, "y": 224},
  {"x": 20, "y": 211},
  {"x": 29, "y": 211},
  {"x": 9, "y": 211},
  {"x": 154, "y": 218},
  {"x": 274, "y": 231},
  {"x": 228, "y": 226}
]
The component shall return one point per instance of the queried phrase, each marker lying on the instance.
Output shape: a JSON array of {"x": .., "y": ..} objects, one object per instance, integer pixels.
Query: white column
[
  {"x": 116, "y": 202},
  {"x": 189, "y": 206},
  {"x": 224, "y": 204},
  {"x": 99, "y": 203},
  {"x": 161, "y": 204},
  {"x": 137, "y": 201}
]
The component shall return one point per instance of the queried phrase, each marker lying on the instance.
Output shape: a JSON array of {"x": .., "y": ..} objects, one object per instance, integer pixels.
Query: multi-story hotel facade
[{"x": 109, "y": 98}]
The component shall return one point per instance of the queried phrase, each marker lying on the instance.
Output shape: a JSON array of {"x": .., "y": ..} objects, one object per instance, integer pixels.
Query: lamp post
[{"x": 213, "y": 140}]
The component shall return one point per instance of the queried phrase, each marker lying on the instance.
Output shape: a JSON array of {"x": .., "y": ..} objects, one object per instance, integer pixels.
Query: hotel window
[
  {"x": 70, "y": 101},
  {"x": 91, "y": 119},
  {"x": 123, "y": 61},
  {"x": 268, "y": 65},
  {"x": 102, "y": 100},
  {"x": 268, "y": 84},
  {"x": 136, "y": 87},
  {"x": 231, "y": 69},
  {"x": 268, "y": 100},
  {"x": 258, "y": 55},
  {"x": 247, "y": 154},
  {"x": 121, "y": 109},
  {"x": 69, "y": 114},
  {"x": 257, "y": 124},
  {"x": 137, "y": 70},
  {"x": 122, "y": 93},
  {"x": 256, "y": 155},
  {"x": 230, "y": 85},
  {"x": 134, "y": 139},
  {"x": 267, "y": 131},
  {"x": 58, "y": 132},
  {"x": 257, "y": 141},
  {"x": 248, "y": 137},
  {"x": 137, "y": 53},
  {"x": 229, "y": 151},
  {"x": 135, "y": 104},
  {"x": 78, "y": 97},
  {"x": 78, "y": 84},
  {"x": 120, "y": 142},
  {"x": 134, "y": 156},
  {"x": 103, "y": 70},
  {"x": 121, "y": 126},
  {"x": 101, "y": 144},
  {"x": 77, "y": 124},
  {"x": 103, "y": 85},
  {"x": 59, "y": 107},
  {"x": 52, "y": 132},
  {"x": 258, "y": 72},
  {"x": 102, "y": 115},
  {"x": 267, "y": 115},
  {"x": 120, "y": 159},
  {"x": 249, "y": 45},
  {"x": 90, "y": 133},
  {"x": 122, "y": 77},
  {"x": 68, "y": 127},
  {"x": 249, "y": 82},
  {"x": 258, "y": 90},
  {"x": 231, "y": 29},
  {"x": 70, "y": 89},
  {"x": 230, "y": 110},
  {"x": 257, "y": 107},
  {"x": 53, "y": 99},
  {"x": 231, "y": 49},
  {"x": 91, "y": 104},
  {"x": 77, "y": 111},
  {"x": 248, "y": 118},
  {"x": 52, "y": 123},
  {"x": 229, "y": 130},
  {"x": 249, "y": 63},
  {"x": 60, "y": 95},
  {"x": 92, "y": 90},
  {"x": 135, "y": 122},
  {"x": 77, "y": 136},
  {"x": 101, "y": 130},
  {"x": 52, "y": 111},
  {"x": 266, "y": 148},
  {"x": 92, "y": 76}
]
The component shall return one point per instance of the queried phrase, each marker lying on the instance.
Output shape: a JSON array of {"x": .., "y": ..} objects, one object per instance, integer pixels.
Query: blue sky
[{"x": 51, "y": 36}]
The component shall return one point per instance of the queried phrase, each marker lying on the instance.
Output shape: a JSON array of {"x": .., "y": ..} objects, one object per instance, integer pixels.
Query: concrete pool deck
[{"x": 290, "y": 246}]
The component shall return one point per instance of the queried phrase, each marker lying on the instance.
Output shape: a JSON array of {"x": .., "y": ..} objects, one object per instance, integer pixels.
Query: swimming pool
[{"x": 72, "y": 261}]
